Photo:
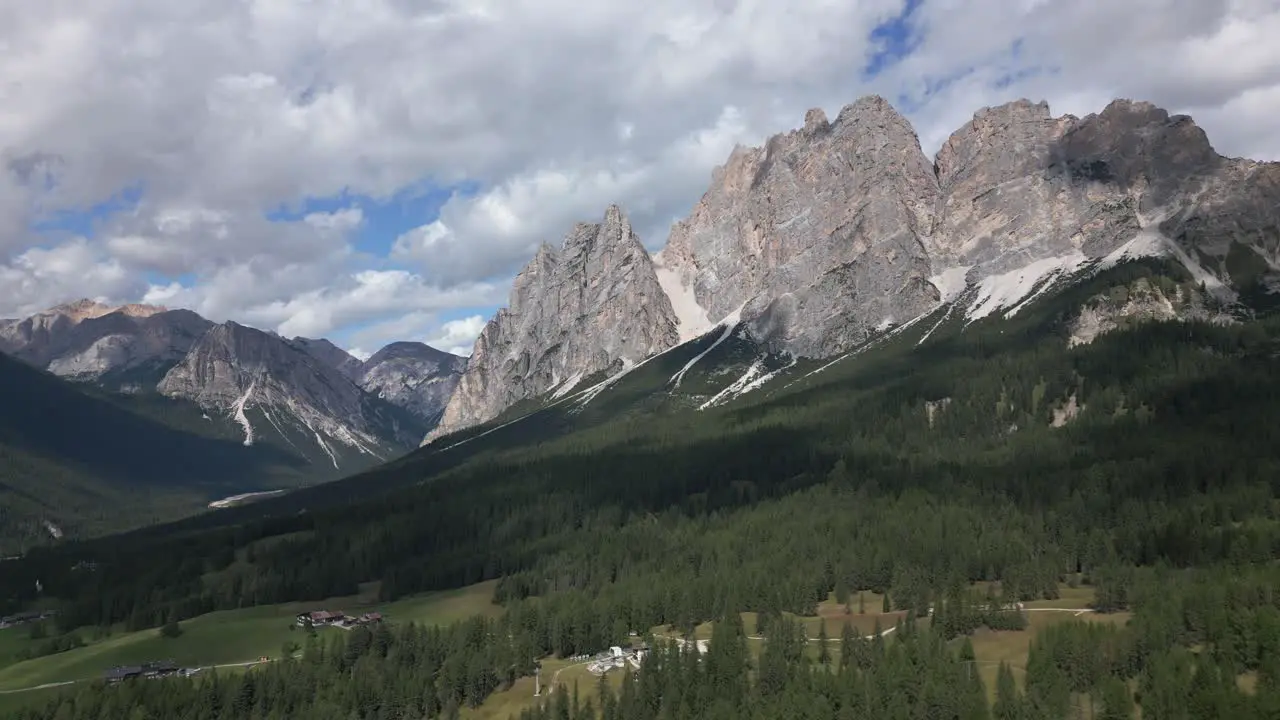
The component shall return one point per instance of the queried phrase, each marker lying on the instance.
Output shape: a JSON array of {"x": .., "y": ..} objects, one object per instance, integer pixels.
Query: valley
[
  {"x": 999, "y": 426},
  {"x": 166, "y": 393},
  {"x": 236, "y": 641}
]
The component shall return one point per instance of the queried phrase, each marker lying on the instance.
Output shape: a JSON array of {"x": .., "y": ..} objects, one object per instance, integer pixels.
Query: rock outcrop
[
  {"x": 594, "y": 305},
  {"x": 819, "y": 236},
  {"x": 1141, "y": 301},
  {"x": 829, "y": 232},
  {"x": 121, "y": 346},
  {"x": 412, "y": 376}
]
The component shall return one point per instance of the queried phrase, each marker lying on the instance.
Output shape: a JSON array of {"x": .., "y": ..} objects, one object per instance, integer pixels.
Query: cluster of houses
[
  {"x": 148, "y": 671},
  {"x": 321, "y": 618},
  {"x": 26, "y": 617},
  {"x": 617, "y": 658}
]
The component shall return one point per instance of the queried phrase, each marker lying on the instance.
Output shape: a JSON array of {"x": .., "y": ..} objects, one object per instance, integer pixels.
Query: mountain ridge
[
  {"x": 305, "y": 395},
  {"x": 593, "y": 305},
  {"x": 829, "y": 234}
]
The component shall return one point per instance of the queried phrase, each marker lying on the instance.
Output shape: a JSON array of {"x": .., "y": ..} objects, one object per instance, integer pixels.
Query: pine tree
[
  {"x": 171, "y": 627},
  {"x": 1116, "y": 701},
  {"x": 824, "y": 651},
  {"x": 1009, "y": 704},
  {"x": 847, "y": 641}
]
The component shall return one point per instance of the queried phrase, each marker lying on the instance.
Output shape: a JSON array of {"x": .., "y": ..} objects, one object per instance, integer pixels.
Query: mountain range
[
  {"x": 825, "y": 241},
  {"x": 1038, "y": 368},
  {"x": 317, "y": 412},
  {"x": 840, "y": 231}
]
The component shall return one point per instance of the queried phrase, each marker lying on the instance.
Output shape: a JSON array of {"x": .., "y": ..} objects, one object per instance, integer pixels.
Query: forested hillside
[
  {"x": 1142, "y": 464},
  {"x": 88, "y": 465}
]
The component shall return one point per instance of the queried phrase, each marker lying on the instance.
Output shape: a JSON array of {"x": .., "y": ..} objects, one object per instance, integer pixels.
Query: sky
[{"x": 378, "y": 170}]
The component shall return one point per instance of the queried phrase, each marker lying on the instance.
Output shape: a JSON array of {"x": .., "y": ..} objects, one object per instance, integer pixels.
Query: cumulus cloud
[
  {"x": 224, "y": 112},
  {"x": 458, "y": 336}
]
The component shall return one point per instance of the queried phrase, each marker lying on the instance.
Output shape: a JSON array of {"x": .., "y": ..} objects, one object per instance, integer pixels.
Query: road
[{"x": 64, "y": 683}]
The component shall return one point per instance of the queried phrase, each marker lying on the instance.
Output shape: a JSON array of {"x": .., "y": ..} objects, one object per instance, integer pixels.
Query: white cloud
[
  {"x": 39, "y": 278},
  {"x": 458, "y": 336},
  {"x": 223, "y": 112}
]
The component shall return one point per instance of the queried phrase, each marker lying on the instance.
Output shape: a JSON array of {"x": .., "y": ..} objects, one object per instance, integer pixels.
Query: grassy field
[
  {"x": 232, "y": 636},
  {"x": 12, "y": 641},
  {"x": 991, "y": 647},
  {"x": 244, "y": 635},
  {"x": 509, "y": 703}
]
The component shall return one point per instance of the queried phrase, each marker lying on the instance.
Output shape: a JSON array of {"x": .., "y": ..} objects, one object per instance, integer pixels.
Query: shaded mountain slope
[{"x": 87, "y": 464}]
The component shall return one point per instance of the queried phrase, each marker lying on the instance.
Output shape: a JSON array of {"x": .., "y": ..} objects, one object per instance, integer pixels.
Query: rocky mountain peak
[
  {"x": 89, "y": 341},
  {"x": 594, "y": 305},
  {"x": 409, "y": 350},
  {"x": 794, "y": 229},
  {"x": 413, "y": 376},
  {"x": 815, "y": 121},
  {"x": 330, "y": 354},
  {"x": 260, "y": 380},
  {"x": 85, "y": 309}
]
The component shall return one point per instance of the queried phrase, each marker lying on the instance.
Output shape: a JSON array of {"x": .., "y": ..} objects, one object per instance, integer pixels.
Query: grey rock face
[
  {"x": 330, "y": 354},
  {"x": 1142, "y": 301},
  {"x": 831, "y": 230},
  {"x": 412, "y": 376},
  {"x": 839, "y": 229},
  {"x": 820, "y": 221},
  {"x": 234, "y": 368},
  {"x": 87, "y": 341},
  {"x": 593, "y": 305},
  {"x": 1020, "y": 186}
]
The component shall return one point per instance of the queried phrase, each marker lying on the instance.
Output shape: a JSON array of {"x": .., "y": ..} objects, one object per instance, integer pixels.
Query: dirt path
[
  {"x": 40, "y": 687},
  {"x": 64, "y": 683}
]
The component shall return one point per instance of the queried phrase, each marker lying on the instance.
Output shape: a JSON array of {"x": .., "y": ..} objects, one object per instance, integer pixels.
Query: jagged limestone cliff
[
  {"x": 594, "y": 304},
  {"x": 837, "y": 231}
]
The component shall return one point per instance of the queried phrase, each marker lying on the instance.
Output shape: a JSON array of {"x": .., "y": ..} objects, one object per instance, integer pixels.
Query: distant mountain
[
  {"x": 123, "y": 348},
  {"x": 73, "y": 463},
  {"x": 412, "y": 376},
  {"x": 831, "y": 235},
  {"x": 265, "y": 383},
  {"x": 593, "y": 305},
  {"x": 304, "y": 396}
]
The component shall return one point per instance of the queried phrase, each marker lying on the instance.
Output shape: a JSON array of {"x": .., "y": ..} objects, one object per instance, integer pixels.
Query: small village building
[
  {"x": 320, "y": 617},
  {"x": 122, "y": 673},
  {"x": 146, "y": 670}
]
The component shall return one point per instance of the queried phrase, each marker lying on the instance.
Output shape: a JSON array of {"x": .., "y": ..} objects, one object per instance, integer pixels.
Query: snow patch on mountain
[
  {"x": 237, "y": 412},
  {"x": 328, "y": 450},
  {"x": 691, "y": 317},
  {"x": 951, "y": 282},
  {"x": 679, "y": 376},
  {"x": 1011, "y": 290},
  {"x": 1147, "y": 243},
  {"x": 753, "y": 379},
  {"x": 729, "y": 324},
  {"x": 567, "y": 386}
]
